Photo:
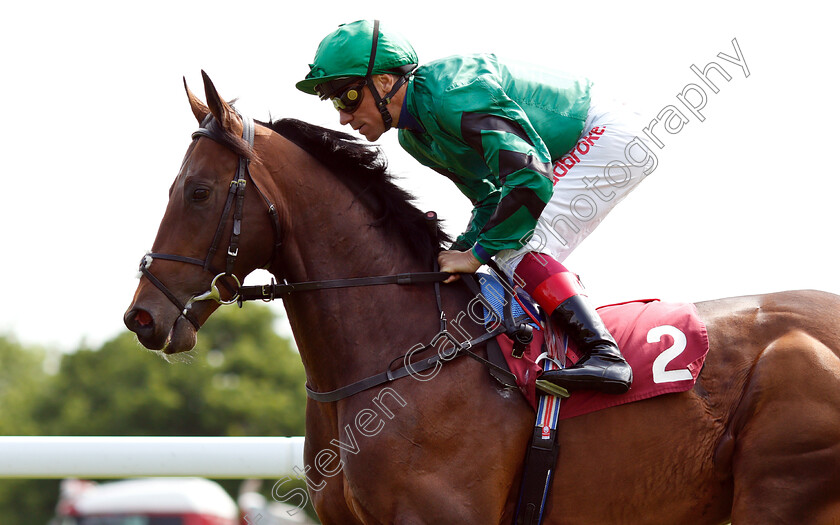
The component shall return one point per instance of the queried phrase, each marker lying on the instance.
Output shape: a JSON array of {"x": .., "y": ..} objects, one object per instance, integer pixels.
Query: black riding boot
[{"x": 602, "y": 366}]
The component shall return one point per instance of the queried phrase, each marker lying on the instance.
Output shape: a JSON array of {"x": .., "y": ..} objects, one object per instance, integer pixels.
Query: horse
[{"x": 757, "y": 439}]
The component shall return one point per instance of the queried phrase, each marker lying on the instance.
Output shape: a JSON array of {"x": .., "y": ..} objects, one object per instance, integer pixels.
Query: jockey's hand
[{"x": 456, "y": 262}]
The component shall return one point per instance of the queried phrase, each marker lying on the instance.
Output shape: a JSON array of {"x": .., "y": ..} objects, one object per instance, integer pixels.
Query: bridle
[{"x": 236, "y": 201}]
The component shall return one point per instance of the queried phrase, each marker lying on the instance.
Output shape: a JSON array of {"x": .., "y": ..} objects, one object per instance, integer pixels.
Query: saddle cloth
[{"x": 664, "y": 343}]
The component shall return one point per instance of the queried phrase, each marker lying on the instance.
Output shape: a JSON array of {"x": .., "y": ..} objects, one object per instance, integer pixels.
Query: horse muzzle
[{"x": 155, "y": 332}]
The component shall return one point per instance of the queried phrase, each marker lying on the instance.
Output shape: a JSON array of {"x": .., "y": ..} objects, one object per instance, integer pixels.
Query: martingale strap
[
  {"x": 499, "y": 373},
  {"x": 409, "y": 369}
]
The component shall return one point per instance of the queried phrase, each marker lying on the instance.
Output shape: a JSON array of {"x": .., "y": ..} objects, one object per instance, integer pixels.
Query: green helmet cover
[{"x": 346, "y": 53}]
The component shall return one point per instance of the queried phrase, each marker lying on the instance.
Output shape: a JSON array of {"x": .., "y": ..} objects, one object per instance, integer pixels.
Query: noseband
[{"x": 235, "y": 200}]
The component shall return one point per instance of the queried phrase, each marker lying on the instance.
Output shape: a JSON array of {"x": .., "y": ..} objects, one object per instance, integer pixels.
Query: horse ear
[
  {"x": 218, "y": 107},
  {"x": 198, "y": 108}
]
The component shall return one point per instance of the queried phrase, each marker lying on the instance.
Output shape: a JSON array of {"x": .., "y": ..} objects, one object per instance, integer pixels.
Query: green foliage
[
  {"x": 21, "y": 378},
  {"x": 241, "y": 380}
]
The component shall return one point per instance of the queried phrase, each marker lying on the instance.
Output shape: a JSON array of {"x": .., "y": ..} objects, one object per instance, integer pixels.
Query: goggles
[
  {"x": 349, "y": 100},
  {"x": 346, "y": 97}
]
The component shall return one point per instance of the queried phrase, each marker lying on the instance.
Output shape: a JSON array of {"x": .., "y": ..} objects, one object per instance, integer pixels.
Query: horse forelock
[
  {"x": 363, "y": 169},
  {"x": 234, "y": 143}
]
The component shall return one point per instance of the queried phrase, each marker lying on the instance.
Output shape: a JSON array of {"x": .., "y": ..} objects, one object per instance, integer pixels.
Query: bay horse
[{"x": 757, "y": 440}]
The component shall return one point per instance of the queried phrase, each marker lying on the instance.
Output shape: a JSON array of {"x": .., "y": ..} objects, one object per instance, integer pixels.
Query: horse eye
[{"x": 201, "y": 194}]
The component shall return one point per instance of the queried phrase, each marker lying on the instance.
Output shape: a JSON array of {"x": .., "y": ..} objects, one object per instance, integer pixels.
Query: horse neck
[{"x": 346, "y": 334}]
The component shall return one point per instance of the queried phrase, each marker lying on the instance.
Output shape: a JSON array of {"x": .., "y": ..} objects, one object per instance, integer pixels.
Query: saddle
[{"x": 665, "y": 343}]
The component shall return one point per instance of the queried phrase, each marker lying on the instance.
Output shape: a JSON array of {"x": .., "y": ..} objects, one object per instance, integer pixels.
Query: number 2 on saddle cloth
[{"x": 665, "y": 343}]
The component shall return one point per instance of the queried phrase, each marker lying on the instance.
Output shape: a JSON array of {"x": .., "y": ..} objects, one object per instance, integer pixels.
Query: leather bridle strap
[
  {"x": 144, "y": 263},
  {"x": 186, "y": 312},
  {"x": 243, "y": 169},
  {"x": 411, "y": 369},
  {"x": 268, "y": 292},
  {"x": 235, "y": 200}
]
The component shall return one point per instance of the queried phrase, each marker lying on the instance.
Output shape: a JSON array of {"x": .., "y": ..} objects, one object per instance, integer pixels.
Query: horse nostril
[
  {"x": 138, "y": 320},
  {"x": 143, "y": 318}
]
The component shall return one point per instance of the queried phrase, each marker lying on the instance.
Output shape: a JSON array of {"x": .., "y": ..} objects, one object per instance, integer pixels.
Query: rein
[{"x": 269, "y": 292}]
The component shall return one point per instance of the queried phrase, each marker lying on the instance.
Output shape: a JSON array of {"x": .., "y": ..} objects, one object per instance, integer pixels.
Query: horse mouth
[{"x": 181, "y": 337}]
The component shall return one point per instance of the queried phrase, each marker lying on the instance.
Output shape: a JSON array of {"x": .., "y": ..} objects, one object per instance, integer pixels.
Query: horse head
[
  {"x": 207, "y": 241},
  {"x": 244, "y": 187}
]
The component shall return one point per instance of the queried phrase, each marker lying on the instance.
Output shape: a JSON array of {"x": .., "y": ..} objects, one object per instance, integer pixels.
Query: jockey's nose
[{"x": 344, "y": 118}]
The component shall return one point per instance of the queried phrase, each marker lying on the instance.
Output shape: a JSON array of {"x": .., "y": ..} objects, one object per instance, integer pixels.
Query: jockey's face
[{"x": 366, "y": 119}]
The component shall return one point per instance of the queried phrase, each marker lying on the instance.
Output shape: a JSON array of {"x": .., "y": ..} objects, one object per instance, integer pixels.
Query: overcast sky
[{"x": 96, "y": 123}]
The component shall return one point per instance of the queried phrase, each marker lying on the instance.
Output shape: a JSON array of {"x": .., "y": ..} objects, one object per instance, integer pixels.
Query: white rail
[{"x": 144, "y": 456}]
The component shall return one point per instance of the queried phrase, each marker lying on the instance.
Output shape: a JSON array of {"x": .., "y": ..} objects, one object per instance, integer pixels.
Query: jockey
[{"x": 528, "y": 147}]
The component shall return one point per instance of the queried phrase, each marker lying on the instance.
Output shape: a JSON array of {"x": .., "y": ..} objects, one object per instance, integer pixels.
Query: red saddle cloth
[{"x": 665, "y": 344}]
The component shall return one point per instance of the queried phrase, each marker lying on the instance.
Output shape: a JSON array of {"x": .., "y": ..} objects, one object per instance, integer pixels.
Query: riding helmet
[{"x": 346, "y": 52}]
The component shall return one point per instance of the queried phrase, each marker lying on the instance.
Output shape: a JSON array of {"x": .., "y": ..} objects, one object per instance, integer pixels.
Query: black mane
[{"x": 364, "y": 170}]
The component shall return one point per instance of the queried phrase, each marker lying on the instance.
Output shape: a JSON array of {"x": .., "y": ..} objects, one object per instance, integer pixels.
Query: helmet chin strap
[{"x": 382, "y": 102}]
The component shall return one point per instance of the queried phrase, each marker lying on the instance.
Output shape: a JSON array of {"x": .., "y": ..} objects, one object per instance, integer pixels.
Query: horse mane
[{"x": 363, "y": 169}]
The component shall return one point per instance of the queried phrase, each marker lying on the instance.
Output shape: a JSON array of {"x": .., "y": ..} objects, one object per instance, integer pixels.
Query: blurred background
[{"x": 95, "y": 125}]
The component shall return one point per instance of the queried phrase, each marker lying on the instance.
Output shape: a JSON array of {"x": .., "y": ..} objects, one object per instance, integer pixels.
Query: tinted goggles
[
  {"x": 346, "y": 97},
  {"x": 349, "y": 99}
]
